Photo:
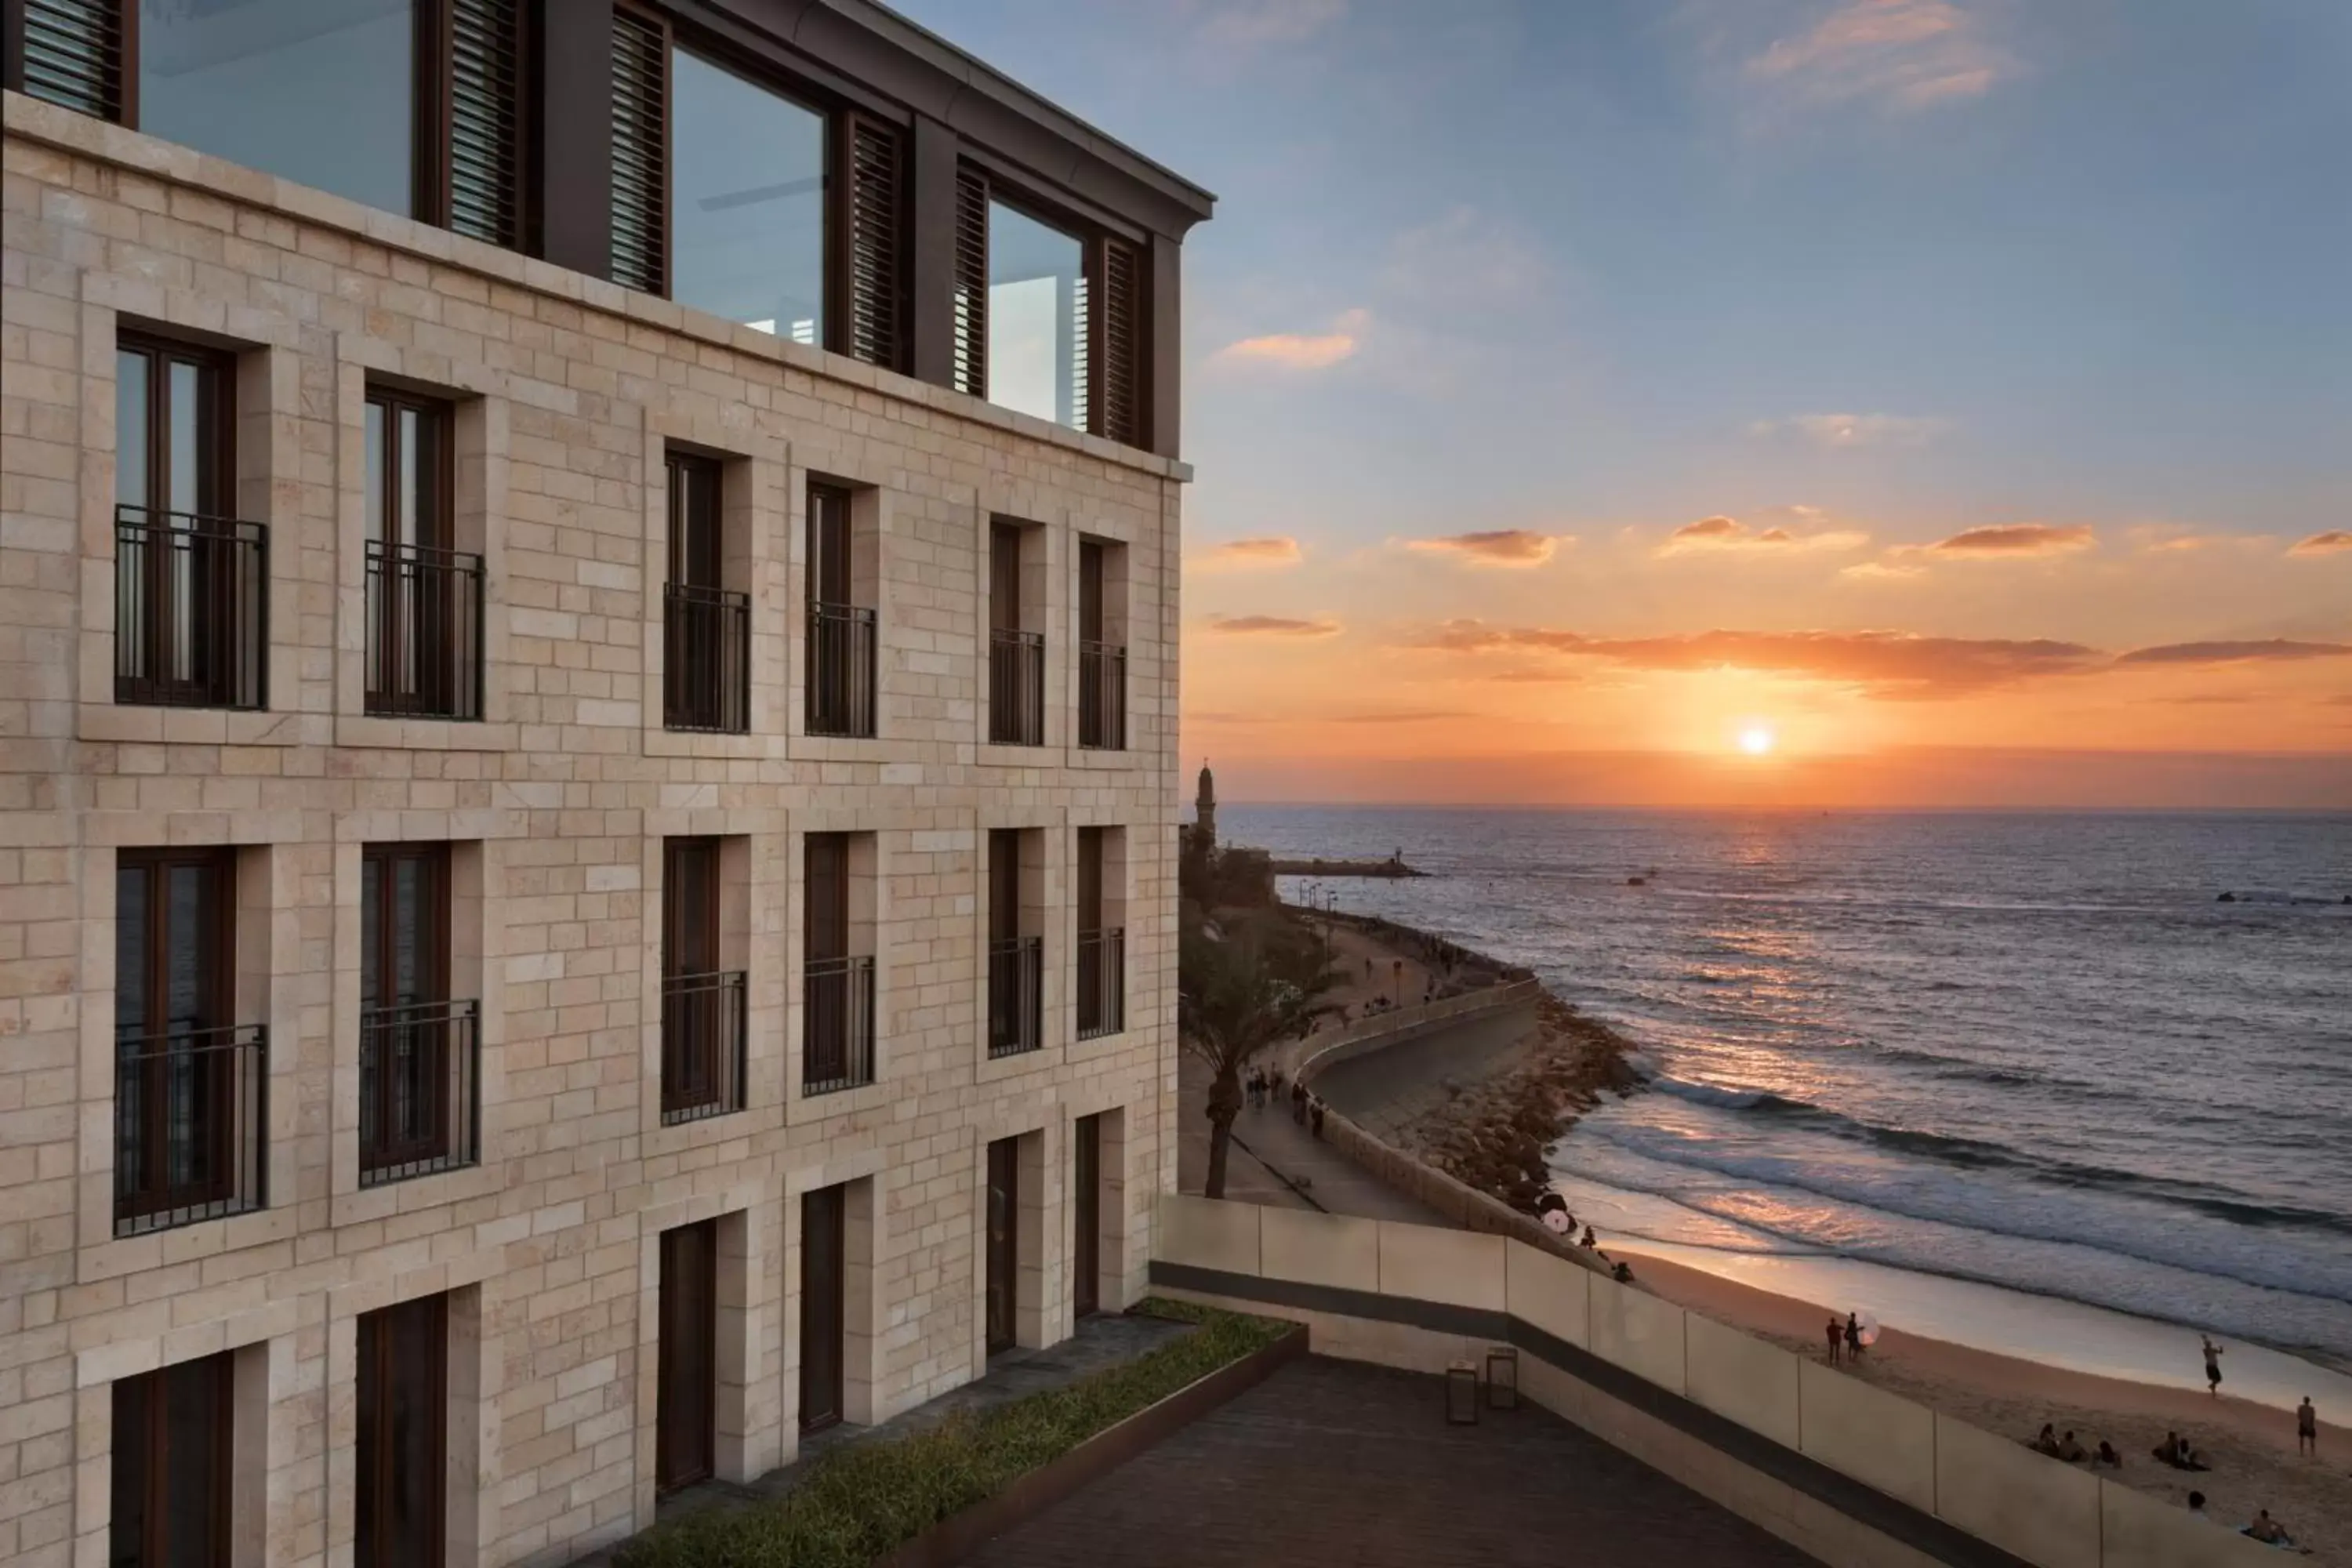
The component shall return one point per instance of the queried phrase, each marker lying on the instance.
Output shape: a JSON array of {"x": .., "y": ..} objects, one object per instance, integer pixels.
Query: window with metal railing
[
  {"x": 836, "y": 979},
  {"x": 1016, "y": 688},
  {"x": 841, "y": 634},
  {"x": 702, "y": 998},
  {"x": 419, "y": 1048},
  {"x": 706, "y": 627},
  {"x": 1102, "y": 659},
  {"x": 1102, "y": 982},
  {"x": 425, "y": 597},
  {"x": 1016, "y": 971},
  {"x": 191, "y": 1093}
]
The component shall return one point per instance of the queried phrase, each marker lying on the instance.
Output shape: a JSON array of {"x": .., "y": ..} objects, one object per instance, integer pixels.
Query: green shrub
[{"x": 864, "y": 1498}]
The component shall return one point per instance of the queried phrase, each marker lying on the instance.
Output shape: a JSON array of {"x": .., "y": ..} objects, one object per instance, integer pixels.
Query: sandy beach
[{"x": 2251, "y": 1447}]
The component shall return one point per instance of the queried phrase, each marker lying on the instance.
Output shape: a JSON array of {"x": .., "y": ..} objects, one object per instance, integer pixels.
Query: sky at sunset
[{"x": 1839, "y": 402}]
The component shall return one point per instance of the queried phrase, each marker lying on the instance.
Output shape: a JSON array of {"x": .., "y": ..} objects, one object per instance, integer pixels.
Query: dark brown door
[
  {"x": 828, "y": 545},
  {"x": 692, "y": 1024},
  {"x": 686, "y": 1424},
  {"x": 1086, "y": 1220},
  {"x": 823, "y": 1312},
  {"x": 403, "y": 1434},
  {"x": 696, "y": 557},
  {"x": 172, "y": 1446},
  {"x": 175, "y": 957},
  {"x": 1004, "y": 1240},
  {"x": 827, "y": 924}
]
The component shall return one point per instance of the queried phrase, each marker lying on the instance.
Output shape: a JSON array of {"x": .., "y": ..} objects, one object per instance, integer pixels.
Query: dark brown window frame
[
  {"x": 1096, "y": 238},
  {"x": 433, "y": 96},
  {"x": 824, "y": 1317}
]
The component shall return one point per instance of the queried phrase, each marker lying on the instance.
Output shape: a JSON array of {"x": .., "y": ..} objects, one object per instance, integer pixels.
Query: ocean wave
[{"x": 1977, "y": 1155}]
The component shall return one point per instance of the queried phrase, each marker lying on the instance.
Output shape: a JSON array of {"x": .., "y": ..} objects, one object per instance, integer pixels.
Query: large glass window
[
  {"x": 747, "y": 171},
  {"x": 1036, "y": 318},
  {"x": 319, "y": 92}
]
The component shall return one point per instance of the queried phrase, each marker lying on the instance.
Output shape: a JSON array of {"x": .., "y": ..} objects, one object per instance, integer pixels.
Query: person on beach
[
  {"x": 2196, "y": 1507},
  {"x": 2106, "y": 1456},
  {"x": 1837, "y": 1336},
  {"x": 1590, "y": 1241},
  {"x": 2070, "y": 1450},
  {"x": 1853, "y": 1337},
  {"x": 2046, "y": 1442},
  {"x": 2212, "y": 1365},
  {"x": 2306, "y": 1428},
  {"x": 2168, "y": 1451}
]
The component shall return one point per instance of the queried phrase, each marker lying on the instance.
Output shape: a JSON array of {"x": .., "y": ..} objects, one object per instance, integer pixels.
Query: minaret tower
[{"x": 1205, "y": 808}]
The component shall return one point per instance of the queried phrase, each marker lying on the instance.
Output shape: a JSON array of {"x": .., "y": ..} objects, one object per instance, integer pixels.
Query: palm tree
[{"x": 1236, "y": 994}]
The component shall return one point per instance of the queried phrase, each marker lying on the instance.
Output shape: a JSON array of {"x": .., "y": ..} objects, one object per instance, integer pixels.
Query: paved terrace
[{"x": 1347, "y": 1464}]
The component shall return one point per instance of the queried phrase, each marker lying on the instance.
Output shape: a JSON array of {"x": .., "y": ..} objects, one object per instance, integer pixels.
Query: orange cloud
[
  {"x": 2017, "y": 539},
  {"x": 2269, "y": 648},
  {"x": 1271, "y": 626},
  {"x": 1496, "y": 547},
  {"x": 1279, "y": 551},
  {"x": 1885, "y": 664},
  {"x": 2335, "y": 541},
  {"x": 1730, "y": 533},
  {"x": 1296, "y": 351}
]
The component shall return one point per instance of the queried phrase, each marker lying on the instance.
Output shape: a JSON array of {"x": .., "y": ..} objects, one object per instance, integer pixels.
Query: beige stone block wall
[{"x": 565, "y": 391}]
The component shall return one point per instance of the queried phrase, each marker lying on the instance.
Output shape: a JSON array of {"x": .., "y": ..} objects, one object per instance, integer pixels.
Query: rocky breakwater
[{"x": 1491, "y": 1133}]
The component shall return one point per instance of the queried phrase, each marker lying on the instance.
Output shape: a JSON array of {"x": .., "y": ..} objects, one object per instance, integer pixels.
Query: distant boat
[{"x": 1637, "y": 881}]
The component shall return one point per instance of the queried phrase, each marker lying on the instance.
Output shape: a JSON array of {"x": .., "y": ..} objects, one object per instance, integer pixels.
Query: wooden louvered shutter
[
  {"x": 485, "y": 120},
  {"x": 74, "y": 55},
  {"x": 1118, "y": 307},
  {"x": 873, "y": 250},
  {"x": 640, "y": 152},
  {"x": 971, "y": 283}
]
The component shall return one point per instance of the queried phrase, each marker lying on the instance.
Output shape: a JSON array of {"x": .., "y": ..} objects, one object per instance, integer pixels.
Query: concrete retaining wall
[{"x": 1991, "y": 1488}]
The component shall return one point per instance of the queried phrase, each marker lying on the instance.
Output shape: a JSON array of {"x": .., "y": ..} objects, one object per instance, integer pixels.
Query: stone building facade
[{"x": 621, "y": 1220}]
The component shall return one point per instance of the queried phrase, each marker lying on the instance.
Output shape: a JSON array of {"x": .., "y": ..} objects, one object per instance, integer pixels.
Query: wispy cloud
[
  {"x": 1892, "y": 570},
  {"x": 1467, "y": 260},
  {"x": 1899, "y": 55},
  {"x": 1237, "y": 554},
  {"x": 1710, "y": 534},
  {"x": 1252, "y": 24},
  {"x": 2264, "y": 650},
  {"x": 1271, "y": 626},
  {"x": 2335, "y": 542},
  {"x": 1842, "y": 430},
  {"x": 2014, "y": 539},
  {"x": 1300, "y": 351},
  {"x": 1425, "y": 716},
  {"x": 1884, "y": 664},
  {"x": 1496, "y": 547}
]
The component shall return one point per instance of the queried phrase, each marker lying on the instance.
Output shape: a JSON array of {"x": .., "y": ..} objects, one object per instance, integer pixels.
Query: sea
[{"x": 2000, "y": 1077}]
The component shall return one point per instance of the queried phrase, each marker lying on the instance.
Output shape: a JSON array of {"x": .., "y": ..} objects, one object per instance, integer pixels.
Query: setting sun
[{"x": 1756, "y": 740}]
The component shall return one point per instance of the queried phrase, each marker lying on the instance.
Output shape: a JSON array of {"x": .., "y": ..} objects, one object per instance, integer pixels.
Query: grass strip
[{"x": 865, "y": 1498}]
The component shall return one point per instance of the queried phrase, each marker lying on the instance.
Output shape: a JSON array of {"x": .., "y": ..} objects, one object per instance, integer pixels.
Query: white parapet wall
[{"x": 1719, "y": 1410}]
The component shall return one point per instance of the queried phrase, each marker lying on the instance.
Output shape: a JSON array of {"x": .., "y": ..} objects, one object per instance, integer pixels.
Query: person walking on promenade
[
  {"x": 1299, "y": 1103},
  {"x": 1836, "y": 1332},
  {"x": 1316, "y": 1112},
  {"x": 2306, "y": 1428},
  {"x": 2212, "y": 1365}
]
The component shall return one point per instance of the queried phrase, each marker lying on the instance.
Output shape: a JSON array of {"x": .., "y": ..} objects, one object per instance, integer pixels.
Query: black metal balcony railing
[
  {"x": 1016, "y": 688},
  {"x": 191, "y": 609},
  {"x": 840, "y": 669},
  {"x": 424, "y": 632},
  {"x": 836, "y": 1024},
  {"x": 707, "y": 660},
  {"x": 1102, "y": 697},
  {"x": 191, "y": 1127},
  {"x": 1102, "y": 982},
  {"x": 1017, "y": 983},
  {"x": 420, "y": 1090},
  {"x": 702, "y": 1045}
]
